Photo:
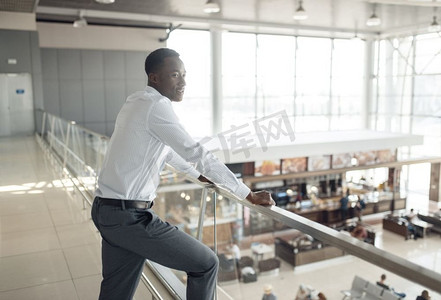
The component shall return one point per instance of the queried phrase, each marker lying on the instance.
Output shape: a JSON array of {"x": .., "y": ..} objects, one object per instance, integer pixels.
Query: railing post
[
  {"x": 52, "y": 133},
  {"x": 214, "y": 222},
  {"x": 215, "y": 231},
  {"x": 203, "y": 206},
  {"x": 66, "y": 144},
  {"x": 43, "y": 125}
]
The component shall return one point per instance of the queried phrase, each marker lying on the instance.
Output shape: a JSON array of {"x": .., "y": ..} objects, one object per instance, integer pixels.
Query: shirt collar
[{"x": 154, "y": 91}]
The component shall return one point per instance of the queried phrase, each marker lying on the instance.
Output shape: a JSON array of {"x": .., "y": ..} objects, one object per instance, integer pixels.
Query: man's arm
[
  {"x": 165, "y": 126},
  {"x": 259, "y": 198},
  {"x": 181, "y": 165}
]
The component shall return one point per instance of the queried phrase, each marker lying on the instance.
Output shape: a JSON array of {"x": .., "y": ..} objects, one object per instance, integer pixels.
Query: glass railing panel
[
  {"x": 260, "y": 233},
  {"x": 287, "y": 259}
]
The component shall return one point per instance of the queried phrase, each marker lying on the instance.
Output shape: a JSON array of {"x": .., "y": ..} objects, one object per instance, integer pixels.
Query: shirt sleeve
[
  {"x": 164, "y": 125},
  {"x": 181, "y": 165}
]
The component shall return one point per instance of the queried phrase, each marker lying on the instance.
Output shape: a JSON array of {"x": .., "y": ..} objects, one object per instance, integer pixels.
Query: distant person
[
  {"x": 344, "y": 206},
  {"x": 424, "y": 295},
  {"x": 383, "y": 284},
  {"x": 305, "y": 292},
  {"x": 321, "y": 296},
  {"x": 411, "y": 216},
  {"x": 359, "y": 232},
  {"x": 359, "y": 207},
  {"x": 235, "y": 253},
  {"x": 268, "y": 293}
]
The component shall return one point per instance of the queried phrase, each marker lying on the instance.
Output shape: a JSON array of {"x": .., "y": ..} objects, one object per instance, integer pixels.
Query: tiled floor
[{"x": 49, "y": 248}]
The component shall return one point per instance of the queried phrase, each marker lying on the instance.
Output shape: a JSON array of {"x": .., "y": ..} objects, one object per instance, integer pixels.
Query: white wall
[
  {"x": 58, "y": 36},
  {"x": 17, "y": 21}
]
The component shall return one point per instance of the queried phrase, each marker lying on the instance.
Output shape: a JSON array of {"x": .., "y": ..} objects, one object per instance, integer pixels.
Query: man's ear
[{"x": 153, "y": 78}]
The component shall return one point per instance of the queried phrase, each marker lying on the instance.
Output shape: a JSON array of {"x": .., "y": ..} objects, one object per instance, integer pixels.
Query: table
[
  {"x": 260, "y": 249},
  {"x": 421, "y": 226}
]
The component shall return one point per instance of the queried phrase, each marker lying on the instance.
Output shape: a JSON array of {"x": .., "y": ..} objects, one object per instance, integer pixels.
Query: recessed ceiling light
[
  {"x": 105, "y": 1},
  {"x": 300, "y": 13},
  {"x": 434, "y": 26},
  {"x": 373, "y": 20},
  {"x": 81, "y": 22},
  {"x": 211, "y": 7}
]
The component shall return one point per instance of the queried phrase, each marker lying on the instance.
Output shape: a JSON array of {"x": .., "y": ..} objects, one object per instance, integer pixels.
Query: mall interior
[{"x": 333, "y": 106}]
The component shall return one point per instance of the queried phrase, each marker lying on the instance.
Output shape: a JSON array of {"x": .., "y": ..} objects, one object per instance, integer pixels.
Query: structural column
[
  {"x": 216, "y": 71},
  {"x": 435, "y": 181}
]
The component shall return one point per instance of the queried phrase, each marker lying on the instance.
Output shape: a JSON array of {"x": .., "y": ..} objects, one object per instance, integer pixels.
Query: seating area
[
  {"x": 349, "y": 227},
  {"x": 299, "y": 255},
  {"x": 363, "y": 289},
  {"x": 267, "y": 265},
  {"x": 246, "y": 269},
  {"x": 435, "y": 221},
  {"x": 397, "y": 225}
]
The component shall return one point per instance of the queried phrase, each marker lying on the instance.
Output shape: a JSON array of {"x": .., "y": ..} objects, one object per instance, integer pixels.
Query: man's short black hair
[{"x": 156, "y": 58}]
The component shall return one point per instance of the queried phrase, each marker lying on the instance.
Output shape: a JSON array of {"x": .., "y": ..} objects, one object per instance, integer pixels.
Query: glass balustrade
[{"x": 259, "y": 246}]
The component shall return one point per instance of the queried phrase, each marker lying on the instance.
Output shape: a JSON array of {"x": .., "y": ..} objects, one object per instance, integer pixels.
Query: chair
[
  {"x": 375, "y": 291},
  {"x": 246, "y": 261},
  {"x": 268, "y": 265},
  {"x": 388, "y": 295},
  {"x": 359, "y": 285}
]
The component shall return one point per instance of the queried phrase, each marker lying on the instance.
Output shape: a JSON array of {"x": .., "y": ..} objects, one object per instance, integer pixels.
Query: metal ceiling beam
[{"x": 198, "y": 21}]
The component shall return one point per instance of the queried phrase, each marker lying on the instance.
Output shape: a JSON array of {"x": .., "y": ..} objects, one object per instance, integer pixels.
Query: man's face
[{"x": 169, "y": 80}]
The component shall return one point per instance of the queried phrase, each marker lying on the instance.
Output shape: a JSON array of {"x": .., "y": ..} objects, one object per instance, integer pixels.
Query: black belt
[{"x": 126, "y": 203}]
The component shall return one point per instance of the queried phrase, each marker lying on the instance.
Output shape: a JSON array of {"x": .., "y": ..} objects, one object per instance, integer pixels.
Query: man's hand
[
  {"x": 204, "y": 179},
  {"x": 261, "y": 198}
]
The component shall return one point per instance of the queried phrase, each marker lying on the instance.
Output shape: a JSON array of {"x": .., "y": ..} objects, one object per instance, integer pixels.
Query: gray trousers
[{"x": 129, "y": 236}]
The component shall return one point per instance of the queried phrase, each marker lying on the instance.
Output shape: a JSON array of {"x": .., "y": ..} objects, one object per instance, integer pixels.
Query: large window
[
  {"x": 317, "y": 81},
  {"x": 195, "y": 110},
  {"x": 239, "y": 79},
  {"x": 313, "y": 73},
  {"x": 275, "y": 74},
  {"x": 347, "y": 84},
  {"x": 407, "y": 90}
]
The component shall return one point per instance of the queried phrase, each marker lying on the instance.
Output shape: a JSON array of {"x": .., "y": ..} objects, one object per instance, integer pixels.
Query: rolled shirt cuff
[
  {"x": 193, "y": 173},
  {"x": 242, "y": 191}
]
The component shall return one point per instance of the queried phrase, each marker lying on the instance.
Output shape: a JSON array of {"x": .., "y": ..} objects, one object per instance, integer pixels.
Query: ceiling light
[
  {"x": 300, "y": 13},
  {"x": 105, "y": 1},
  {"x": 81, "y": 22},
  {"x": 356, "y": 37},
  {"x": 211, "y": 7},
  {"x": 373, "y": 20},
  {"x": 434, "y": 26}
]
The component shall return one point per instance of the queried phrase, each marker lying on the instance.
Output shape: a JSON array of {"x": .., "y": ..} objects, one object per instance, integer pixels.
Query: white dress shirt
[{"x": 147, "y": 135}]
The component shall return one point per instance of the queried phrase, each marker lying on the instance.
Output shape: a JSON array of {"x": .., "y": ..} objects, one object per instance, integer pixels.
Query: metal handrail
[{"x": 360, "y": 249}]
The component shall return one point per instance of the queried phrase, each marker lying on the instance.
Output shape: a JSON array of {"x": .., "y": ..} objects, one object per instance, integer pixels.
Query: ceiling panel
[
  {"x": 26, "y": 6},
  {"x": 241, "y": 15}
]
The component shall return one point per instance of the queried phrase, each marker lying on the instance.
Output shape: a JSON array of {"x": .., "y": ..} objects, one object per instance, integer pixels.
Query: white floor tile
[
  {"x": 84, "y": 260},
  {"x": 23, "y": 204},
  {"x": 88, "y": 288},
  {"x": 24, "y": 222},
  {"x": 76, "y": 235},
  {"x": 28, "y": 270},
  {"x": 21, "y": 242},
  {"x": 59, "y": 290}
]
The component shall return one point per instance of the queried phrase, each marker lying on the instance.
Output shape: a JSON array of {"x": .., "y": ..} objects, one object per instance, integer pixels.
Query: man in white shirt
[{"x": 147, "y": 135}]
